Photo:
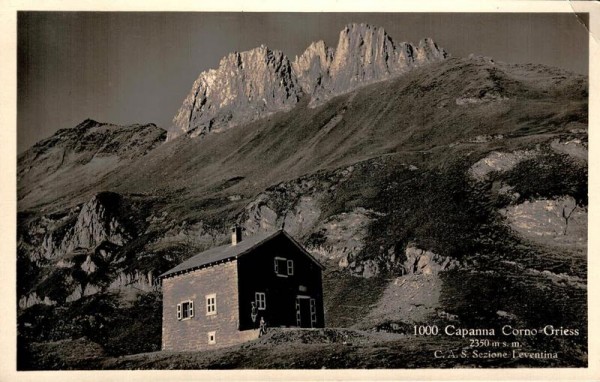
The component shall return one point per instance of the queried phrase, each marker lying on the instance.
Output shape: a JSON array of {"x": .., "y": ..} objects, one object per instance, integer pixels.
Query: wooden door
[{"x": 303, "y": 312}]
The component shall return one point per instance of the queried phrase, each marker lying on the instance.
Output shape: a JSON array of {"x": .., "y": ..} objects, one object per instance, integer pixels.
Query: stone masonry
[{"x": 192, "y": 333}]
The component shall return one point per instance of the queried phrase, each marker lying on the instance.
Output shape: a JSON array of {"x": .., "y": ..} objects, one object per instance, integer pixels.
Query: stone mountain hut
[{"x": 218, "y": 297}]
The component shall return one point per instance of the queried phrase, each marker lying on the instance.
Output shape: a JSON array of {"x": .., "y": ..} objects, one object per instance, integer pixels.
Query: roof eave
[{"x": 191, "y": 269}]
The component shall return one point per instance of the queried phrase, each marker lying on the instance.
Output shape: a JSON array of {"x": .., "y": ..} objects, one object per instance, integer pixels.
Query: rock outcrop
[
  {"x": 500, "y": 162},
  {"x": 557, "y": 222},
  {"x": 81, "y": 248},
  {"x": 295, "y": 205},
  {"x": 33, "y": 299},
  {"x": 414, "y": 296},
  {"x": 97, "y": 222},
  {"x": 252, "y": 84},
  {"x": 246, "y": 86},
  {"x": 343, "y": 236},
  {"x": 419, "y": 261},
  {"x": 407, "y": 299},
  {"x": 575, "y": 148},
  {"x": 311, "y": 66}
]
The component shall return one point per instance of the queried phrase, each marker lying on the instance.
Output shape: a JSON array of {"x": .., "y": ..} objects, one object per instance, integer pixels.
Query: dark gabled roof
[
  {"x": 228, "y": 252},
  {"x": 221, "y": 253}
]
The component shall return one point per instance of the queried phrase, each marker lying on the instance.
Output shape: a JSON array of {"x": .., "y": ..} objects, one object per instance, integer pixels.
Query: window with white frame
[
  {"x": 211, "y": 304},
  {"x": 283, "y": 267},
  {"x": 280, "y": 267},
  {"x": 185, "y": 310},
  {"x": 261, "y": 300},
  {"x": 212, "y": 338}
]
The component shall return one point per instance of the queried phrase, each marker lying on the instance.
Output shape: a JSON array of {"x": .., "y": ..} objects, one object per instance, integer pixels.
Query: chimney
[{"x": 236, "y": 234}]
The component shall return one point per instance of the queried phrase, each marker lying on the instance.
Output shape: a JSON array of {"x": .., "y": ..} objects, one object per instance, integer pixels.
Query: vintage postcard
[{"x": 321, "y": 192}]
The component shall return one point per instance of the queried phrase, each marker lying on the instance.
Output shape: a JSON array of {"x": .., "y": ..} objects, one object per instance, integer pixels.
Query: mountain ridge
[
  {"x": 261, "y": 81},
  {"x": 451, "y": 96}
]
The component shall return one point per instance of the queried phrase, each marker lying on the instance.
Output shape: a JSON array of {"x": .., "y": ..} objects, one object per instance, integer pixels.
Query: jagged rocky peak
[
  {"x": 98, "y": 222},
  {"x": 252, "y": 84},
  {"x": 362, "y": 53},
  {"x": 366, "y": 54},
  {"x": 312, "y": 66},
  {"x": 246, "y": 86},
  {"x": 428, "y": 51}
]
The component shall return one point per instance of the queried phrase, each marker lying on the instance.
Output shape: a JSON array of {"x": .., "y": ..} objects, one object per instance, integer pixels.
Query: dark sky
[{"x": 138, "y": 67}]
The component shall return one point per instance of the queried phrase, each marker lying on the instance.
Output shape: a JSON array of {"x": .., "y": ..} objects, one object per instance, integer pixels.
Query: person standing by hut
[{"x": 262, "y": 328}]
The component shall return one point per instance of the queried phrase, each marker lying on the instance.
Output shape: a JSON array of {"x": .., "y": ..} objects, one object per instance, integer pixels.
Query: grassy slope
[
  {"x": 412, "y": 113},
  {"x": 298, "y": 349}
]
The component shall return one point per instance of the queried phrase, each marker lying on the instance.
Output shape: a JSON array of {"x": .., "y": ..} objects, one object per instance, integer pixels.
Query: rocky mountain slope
[
  {"x": 261, "y": 81},
  {"x": 422, "y": 193},
  {"x": 86, "y": 152}
]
